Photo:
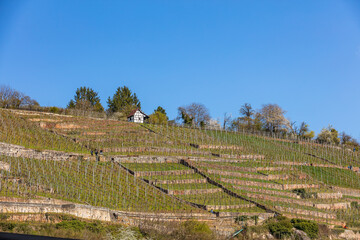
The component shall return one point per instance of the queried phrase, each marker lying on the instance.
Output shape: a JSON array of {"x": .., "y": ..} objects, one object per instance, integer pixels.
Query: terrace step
[
  {"x": 333, "y": 206},
  {"x": 347, "y": 191},
  {"x": 249, "y": 214},
  {"x": 178, "y": 181},
  {"x": 337, "y": 195},
  {"x": 319, "y": 220},
  {"x": 300, "y": 185},
  {"x": 280, "y": 199},
  {"x": 145, "y": 159},
  {"x": 163, "y": 173},
  {"x": 297, "y": 211},
  {"x": 194, "y": 191},
  {"x": 266, "y": 191},
  {"x": 220, "y": 160},
  {"x": 237, "y": 168},
  {"x": 248, "y": 175},
  {"x": 252, "y": 183},
  {"x": 311, "y": 164},
  {"x": 226, "y": 207}
]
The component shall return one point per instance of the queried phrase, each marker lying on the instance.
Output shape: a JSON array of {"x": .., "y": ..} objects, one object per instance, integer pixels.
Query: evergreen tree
[
  {"x": 86, "y": 99},
  {"x": 123, "y": 100}
]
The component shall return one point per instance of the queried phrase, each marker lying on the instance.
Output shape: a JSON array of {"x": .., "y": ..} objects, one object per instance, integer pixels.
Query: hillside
[{"x": 168, "y": 169}]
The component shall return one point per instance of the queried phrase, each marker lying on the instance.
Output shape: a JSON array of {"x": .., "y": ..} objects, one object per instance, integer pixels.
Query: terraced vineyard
[{"x": 159, "y": 168}]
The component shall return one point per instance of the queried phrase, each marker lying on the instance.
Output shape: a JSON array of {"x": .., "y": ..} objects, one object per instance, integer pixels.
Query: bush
[
  {"x": 303, "y": 194},
  {"x": 190, "y": 230},
  {"x": 72, "y": 224},
  {"x": 54, "y": 110},
  {"x": 281, "y": 228},
  {"x": 7, "y": 226},
  {"x": 24, "y": 228},
  {"x": 309, "y": 227},
  {"x": 355, "y": 205}
]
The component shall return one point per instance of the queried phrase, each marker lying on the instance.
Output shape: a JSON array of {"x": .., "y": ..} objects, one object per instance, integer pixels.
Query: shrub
[
  {"x": 24, "y": 228},
  {"x": 7, "y": 226},
  {"x": 190, "y": 230},
  {"x": 54, "y": 110},
  {"x": 72, "y": 224},
  {"x": 95, "y": 227},
  {"x": 309, "y": 227},
  {"x": 281, "y": 228},
  {"x": 303, "y": 194},
  {"x": 355, "y": 205},
  {"x": 4, "y": 216}
]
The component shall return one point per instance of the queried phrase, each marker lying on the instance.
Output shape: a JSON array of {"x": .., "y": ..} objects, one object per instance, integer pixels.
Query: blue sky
[{"x": 303, "y": 55}]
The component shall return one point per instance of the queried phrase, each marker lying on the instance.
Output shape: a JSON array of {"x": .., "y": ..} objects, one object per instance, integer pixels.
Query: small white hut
[{"x": 137, "y": 116}]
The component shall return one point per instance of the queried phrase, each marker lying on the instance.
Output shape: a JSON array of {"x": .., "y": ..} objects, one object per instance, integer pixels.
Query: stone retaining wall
[
  {"x": 78, "y": 210},
  {"x": 295, "y": 186},
  {"x": 240, "y": 158},
  {"x": 163, "y": 173},
  {"x": 4, "y": 166},
  {"x": 307, "y": 164},
  {"x": 319, "y": 220},
  {"x": 12, "y": 150},
  {"x": 145, "y": 159},
  {"x": 248, "y": 175},
  {"x": 156, "y": 150},
  {"x": 179, "y": 181},
  {"x": 252, "y": 183},
  {"x": 249, "y": 214},
  {"x": 347, "y": 191},
  {"x": 337, "y": 195},
  {"x": 225, "y": 207},
  {"x": 280, "y": 199},
  {"x": 306, "y": 212},
  {"x": 39, "y": 200},
  {"x": 261, "y": 190},
  {"x": 194, "y": 191},
  {"x": 333, "y": 206},
  {"x": 236, "y": 168}
]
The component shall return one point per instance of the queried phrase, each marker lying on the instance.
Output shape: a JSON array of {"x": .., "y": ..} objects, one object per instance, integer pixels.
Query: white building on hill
[{"x": 137, "y": 116}]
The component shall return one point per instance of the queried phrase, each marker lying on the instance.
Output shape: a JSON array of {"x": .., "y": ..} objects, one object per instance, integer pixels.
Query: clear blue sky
[{"x": 303, "y": 55}]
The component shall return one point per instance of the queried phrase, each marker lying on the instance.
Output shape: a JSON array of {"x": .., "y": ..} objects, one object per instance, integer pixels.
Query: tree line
[{"x": 269, "y": 118}]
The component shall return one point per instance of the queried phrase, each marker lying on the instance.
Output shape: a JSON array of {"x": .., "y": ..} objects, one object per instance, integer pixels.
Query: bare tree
[
  {"x": 247, "y": 111},
  {"x": 11, "y": 98},
  {"x": 227, "y": 121},
  {"x": 195, "y": 114}
]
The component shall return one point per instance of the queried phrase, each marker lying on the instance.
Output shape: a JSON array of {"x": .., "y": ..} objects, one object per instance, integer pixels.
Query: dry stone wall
[
  {"x": 179, "y": 181},
  {"x": 12, "y": 150},
  {"x": 163, "y": 173},
  {"x": 145, "y": 159},
  {"x": 297, "y": 211},
  {"x": 226, "y": 207},
  {"x": 347, "y": 191},
  {"x": 337, "y": 195},
  {"x": 266, "y": 191},
  {"x": 248, "y": 175},
  {"x": 252, "y": 183},
  {"x": 194, "y": 191},
  {"x": 78, "y": 210},
  {"x": 333, "y": 206}
]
